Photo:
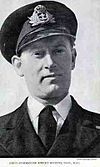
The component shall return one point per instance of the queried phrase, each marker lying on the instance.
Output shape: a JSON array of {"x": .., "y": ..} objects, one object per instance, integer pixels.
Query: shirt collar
[
  {"x": 35, "y": 107},
  {"x": 64, "y": 106}
]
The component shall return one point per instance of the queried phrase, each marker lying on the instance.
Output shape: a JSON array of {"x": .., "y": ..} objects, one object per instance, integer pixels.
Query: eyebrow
[
  {"x": 59, "y": 45},
  {"x": 41, "y": 48}
]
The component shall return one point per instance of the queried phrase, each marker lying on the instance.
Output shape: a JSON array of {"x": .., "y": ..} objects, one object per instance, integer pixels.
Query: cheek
[
  {"x": 32, "y": 70},
  {"x": 64, "y": 62}
]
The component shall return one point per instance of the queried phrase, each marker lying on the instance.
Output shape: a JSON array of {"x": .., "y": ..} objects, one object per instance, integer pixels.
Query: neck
[{"x": 50, "y": 101}]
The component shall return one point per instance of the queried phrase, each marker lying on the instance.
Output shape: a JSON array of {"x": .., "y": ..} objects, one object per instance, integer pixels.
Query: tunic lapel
[
  {"x": 77, "y": 135},
  {"x": 64, "y": 141}
]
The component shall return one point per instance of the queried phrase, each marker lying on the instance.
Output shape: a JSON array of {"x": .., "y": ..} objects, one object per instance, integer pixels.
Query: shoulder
[
  {"x": 85, "y": 115},
  {"x": 13, "y": 117}
]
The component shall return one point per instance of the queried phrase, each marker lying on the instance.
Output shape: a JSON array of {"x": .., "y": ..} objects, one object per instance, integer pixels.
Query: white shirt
[{"x": 60, "y": 114}]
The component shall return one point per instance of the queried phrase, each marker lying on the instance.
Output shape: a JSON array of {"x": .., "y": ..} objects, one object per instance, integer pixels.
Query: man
[{"x": 38, "y": 39}]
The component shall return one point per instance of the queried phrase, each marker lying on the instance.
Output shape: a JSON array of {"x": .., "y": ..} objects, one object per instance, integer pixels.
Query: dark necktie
[{"x": 47, "y": 126}]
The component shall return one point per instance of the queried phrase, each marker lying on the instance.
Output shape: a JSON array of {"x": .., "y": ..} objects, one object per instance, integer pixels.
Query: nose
[{"x": 49, "y": 61}]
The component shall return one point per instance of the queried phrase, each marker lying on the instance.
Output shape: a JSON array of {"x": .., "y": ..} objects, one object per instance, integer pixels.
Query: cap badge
[{"x": 41, "y": 16}]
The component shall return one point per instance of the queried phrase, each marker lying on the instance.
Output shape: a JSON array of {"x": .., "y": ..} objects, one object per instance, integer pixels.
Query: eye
[
  {"x": 60, "y": 50},
  {"x": 39, "y": 54}
]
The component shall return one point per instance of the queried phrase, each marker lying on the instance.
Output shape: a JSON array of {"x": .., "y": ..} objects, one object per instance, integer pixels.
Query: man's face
[{"x": 46, "y": 66}]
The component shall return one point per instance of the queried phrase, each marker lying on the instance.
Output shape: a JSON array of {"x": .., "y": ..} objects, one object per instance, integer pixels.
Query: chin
[
  {"x": 54, "y": 91},
  {"x": 53, "y": 88}
]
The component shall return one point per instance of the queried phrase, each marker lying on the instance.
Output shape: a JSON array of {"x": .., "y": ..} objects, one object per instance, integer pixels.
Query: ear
[
  {"x": 74, "y": 54},
  {"x": 16, "y": 62}
]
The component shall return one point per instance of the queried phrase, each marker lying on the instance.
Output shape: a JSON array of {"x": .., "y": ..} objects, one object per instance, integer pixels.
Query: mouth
[{"x": 52, "y": 76}]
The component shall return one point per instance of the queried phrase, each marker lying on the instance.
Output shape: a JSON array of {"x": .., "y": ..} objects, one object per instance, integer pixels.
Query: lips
[{"x": 50, "y": 76}]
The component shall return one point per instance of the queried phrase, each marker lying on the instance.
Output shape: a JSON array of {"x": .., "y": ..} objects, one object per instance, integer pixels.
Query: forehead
[{"x": 51, "y": 41}]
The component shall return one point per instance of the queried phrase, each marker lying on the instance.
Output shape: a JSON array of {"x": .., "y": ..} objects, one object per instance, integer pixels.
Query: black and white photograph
[{"x": 49, "y": 79}]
